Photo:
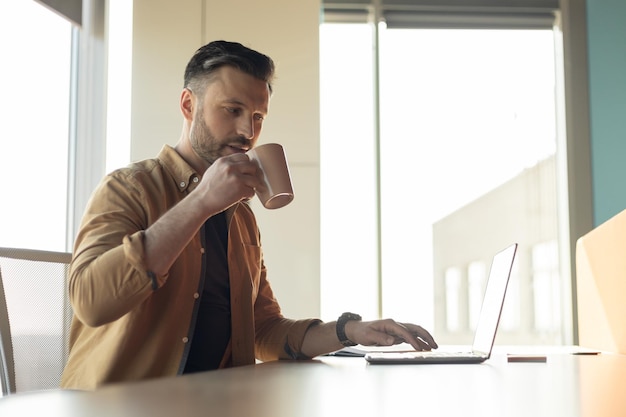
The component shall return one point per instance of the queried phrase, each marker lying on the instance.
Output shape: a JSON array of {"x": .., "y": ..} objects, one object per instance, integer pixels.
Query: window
[
  {"x": 545, "y": 287},
  {"x": 453, "y": 299},
  {"x": 476, "y": 284},
  {"x": 35, "y": 107},
  {"x": 54, "y": 105},
  {"x": 446, "y": 154}
]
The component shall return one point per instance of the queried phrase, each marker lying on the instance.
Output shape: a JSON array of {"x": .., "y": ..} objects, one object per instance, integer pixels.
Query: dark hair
[{"x": 216, "y": 54}]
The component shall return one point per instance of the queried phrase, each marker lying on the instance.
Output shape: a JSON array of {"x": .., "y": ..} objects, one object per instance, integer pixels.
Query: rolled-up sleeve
[{"x": 108, "y": 276}]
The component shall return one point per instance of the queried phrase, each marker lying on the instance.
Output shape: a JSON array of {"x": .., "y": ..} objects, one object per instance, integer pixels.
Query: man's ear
[{"x": 187, "y": 103}]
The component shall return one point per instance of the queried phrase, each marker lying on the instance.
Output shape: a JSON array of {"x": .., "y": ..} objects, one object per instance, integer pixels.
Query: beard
[
  {"x": 202, "y": 140},
  {"x": 205, "y": 144}
]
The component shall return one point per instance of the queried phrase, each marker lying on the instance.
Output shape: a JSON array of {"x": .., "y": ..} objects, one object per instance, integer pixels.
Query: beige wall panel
[{"x": 165, "y": 35}]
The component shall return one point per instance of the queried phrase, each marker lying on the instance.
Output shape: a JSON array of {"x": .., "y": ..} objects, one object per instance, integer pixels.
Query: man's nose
[{"x": 246, "y": 127}]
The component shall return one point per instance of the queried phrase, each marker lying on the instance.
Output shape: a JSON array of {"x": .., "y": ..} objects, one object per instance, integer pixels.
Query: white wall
[{"x": 165, "y": 35}]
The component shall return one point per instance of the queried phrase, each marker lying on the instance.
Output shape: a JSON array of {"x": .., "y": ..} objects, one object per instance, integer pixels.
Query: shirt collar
[{"x": 186, "y": 177}]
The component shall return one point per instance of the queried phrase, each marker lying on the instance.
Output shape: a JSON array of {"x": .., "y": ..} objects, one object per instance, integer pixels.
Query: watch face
[{"x": 350, "y": 316}]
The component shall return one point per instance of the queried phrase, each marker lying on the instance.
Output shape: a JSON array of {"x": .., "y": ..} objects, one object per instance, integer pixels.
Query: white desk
[{"x": 564, "y": 386}]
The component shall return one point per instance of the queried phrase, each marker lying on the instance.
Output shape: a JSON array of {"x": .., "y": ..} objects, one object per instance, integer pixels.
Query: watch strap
[{"x": 341, "y": 328}]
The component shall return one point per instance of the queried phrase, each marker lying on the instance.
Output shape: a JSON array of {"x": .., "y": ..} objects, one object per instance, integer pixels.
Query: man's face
[{"x": 229, "y": 118}]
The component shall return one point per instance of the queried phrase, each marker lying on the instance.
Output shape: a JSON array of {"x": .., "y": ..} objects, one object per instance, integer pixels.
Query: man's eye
[
  {"x": 233, "y": 110},
  {"x": 259, "y": 117}
]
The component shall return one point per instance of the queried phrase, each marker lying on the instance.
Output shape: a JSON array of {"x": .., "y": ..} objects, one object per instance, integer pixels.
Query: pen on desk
[
  {"x": 586, "y": 353},
  {"x": 511, "y": 357}
]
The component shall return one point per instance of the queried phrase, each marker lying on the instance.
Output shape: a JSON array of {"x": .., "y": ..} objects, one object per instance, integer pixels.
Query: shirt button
[
  {"x": 185, "y": 339},
  {"x": 195, "y": 179},
  {"x": 182, "y": 184},
  {"x": 196, "y": 296}
]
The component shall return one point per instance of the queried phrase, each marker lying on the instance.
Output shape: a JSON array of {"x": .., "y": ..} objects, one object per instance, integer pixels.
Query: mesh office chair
[
  {"x": 7, "y": 372},
  {"x": 35, "y": 318}
]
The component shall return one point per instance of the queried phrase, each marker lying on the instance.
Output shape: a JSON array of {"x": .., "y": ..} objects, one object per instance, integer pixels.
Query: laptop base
[{"x": 390, "y": 358}]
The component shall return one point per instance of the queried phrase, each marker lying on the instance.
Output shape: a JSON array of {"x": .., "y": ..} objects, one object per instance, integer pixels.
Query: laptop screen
[{"x": 493, "y": 300}]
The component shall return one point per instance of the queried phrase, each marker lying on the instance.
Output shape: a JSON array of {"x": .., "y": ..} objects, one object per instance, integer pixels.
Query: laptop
[{"x": 486, "y": 329}]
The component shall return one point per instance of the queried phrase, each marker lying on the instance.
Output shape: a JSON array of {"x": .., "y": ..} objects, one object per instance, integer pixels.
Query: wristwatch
[{"x": 341, "y": 328}]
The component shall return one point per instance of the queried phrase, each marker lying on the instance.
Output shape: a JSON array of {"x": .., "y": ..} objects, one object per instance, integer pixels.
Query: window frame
[
  {"x": 87, "y": 141},
  {"x": 567, "y": 19}
]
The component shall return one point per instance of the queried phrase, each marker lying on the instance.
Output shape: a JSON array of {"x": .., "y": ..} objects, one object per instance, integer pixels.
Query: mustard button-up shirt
[{"x": 129, "y": 324}]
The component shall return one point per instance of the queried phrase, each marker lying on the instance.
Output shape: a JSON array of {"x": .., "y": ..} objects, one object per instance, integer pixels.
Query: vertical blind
[{"x": 485, "y": 14}]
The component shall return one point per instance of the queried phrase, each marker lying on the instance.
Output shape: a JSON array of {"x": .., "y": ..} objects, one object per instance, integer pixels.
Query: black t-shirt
[{"x": 212, "y": 328}]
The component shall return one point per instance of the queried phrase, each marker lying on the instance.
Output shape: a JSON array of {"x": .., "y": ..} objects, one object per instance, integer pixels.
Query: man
[{"x": 167, "y": 275}]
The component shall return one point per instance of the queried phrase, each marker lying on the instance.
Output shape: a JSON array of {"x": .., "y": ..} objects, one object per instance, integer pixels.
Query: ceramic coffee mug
[{"x": 277, "y": 190}]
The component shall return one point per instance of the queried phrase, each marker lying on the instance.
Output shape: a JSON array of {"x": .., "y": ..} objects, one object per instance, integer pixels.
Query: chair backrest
[
  {"x": 7, "y": 371},
  {"x": 35, "y": 318},
  {"x": 601, "y": 286}
]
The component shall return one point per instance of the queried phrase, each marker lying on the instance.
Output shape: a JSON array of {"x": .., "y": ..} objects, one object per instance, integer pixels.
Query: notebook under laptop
[{"x": 486, "y": 329}]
